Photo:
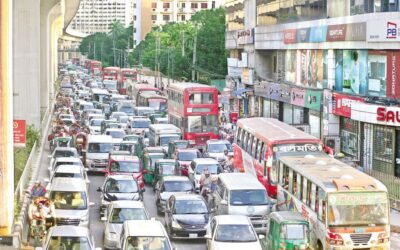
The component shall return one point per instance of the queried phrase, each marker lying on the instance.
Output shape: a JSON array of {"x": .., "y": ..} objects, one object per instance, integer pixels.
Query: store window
[
  {"x": 383, "y": 153},
  {"x": 274, "y": 109},
  {"x": 287, "y": 113},
  {"x": 315, "y": 123},
  {"x": 298, "y": 115},
  {"x": 266, "y": 108},
  {"x": 377, "y": 61},
  {"x": 371, "y": 6},
  {"x": 349, "y": 136}
]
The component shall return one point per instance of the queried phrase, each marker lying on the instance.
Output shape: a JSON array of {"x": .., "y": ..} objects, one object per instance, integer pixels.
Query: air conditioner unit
[
  {"x": 333, "y": 142},
  {"x": 303, "y": 127}
]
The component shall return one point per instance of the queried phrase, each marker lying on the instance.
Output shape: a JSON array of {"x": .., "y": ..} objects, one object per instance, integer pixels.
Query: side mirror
[
  {"x": 91, "y": 204},
  {"x": 207, "y": 236},
  {"x": 98, "y": 189},
  {"x": 261, "y": 237},
  {"x": 103, "y": 219},
  {"x": 224, "y": 202}
]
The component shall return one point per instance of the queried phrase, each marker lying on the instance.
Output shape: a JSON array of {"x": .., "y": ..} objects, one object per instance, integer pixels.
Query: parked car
[{"x": 186, "y": 216}]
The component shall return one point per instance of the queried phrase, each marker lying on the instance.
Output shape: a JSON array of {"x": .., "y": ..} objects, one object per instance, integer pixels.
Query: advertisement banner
[
  {"x": 318, "y": 34},
  {"x": 274, "y": 91},
  {"x": 336, "y": 33},
  {"x": 289, "y": 36},
  {"x": 245, "y": 36},
  {"x": 303, "y": 35},
  {"x": 297, "y": 97},
  {"x": 383, "y": 30},
  {"x": 311, "y": 68},
  {"x": 313, "y": 100},
  {"x": 341, "y": 104},
  {"x": 393, "y": 77},
  {"x": 19, "y": 127},
  {"x": 356, "y": 32}
]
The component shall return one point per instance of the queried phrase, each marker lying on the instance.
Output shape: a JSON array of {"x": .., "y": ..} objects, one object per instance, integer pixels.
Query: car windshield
[
  {"x": 219, "y": 147},
  {"x": 123, "y": 119},
  {"x": 131, "y": 138},
  {"x": 357, "y": 209},
  {"x": 120, "y": 186},
  {"x": 64, "y": 153},
  {"x": 144, "y": 242},
  {"x": 126, "y": 109},
  {"x": 69, "y": 200},
  {"x": 116, "y": 134},
  {"x": 69, "y": 175},
  {"x": 140, "y": 124},
  {"x": 125, "y": 166},
  {"x": 153, "y": 160},
  {"x": 212, "y": 168},
  {"x": 100, "y": 147},
  {"x": 187, "y": 155},
  {"x": 119, "y": 215},
  {"x": 178, "y": 186},
  {"x": 69, "y": 243},
  {"x": 158, "y": 104},
  {"x": 94, "y": 122},
  {"x": 182, "y": 144},
  {"x": 112, "y": 86},
  {"x": 190, "y": 207},
  {"x": 248, "y": 197},
  {"x": 168, "y": 168},
  {"x": 164, "y": 140},
  {"x": 235, "y": 233},
  {"x": 294, "y": 231}
]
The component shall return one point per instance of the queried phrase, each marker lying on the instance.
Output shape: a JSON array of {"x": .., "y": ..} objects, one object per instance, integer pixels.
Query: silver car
[
  {"x": 68, "y": 237},
  {"x": 116, "y": 214}
]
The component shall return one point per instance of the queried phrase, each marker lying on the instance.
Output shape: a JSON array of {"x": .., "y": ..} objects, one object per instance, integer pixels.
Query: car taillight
[
  {"x": 334, "y": 239},
  {"x": 383, "y": 237}
]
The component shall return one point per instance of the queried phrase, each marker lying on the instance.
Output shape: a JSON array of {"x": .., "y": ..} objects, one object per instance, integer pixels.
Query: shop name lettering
[
  {"x": 393, "y": 75},
  {"x": 345, "y": 102},
  {"x": 384, "y": 115},
  {"x": 337, "y": 32},
  {"x": 243, "y": 33}
]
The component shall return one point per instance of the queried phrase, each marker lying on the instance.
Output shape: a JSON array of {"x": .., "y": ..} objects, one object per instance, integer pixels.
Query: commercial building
[{"x": 327, "y": 67}]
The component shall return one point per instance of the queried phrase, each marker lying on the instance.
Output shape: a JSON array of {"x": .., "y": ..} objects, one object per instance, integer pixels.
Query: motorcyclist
[
  {"x": 227, "y": 165},
  {"x": 205, "y": 181}
]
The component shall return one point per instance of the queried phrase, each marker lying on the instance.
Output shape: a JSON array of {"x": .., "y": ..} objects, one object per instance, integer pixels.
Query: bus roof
[
  {"x": 273, "y": 130},
  {"x": 115, "y": 68},
  {"x": 127, "y": 69},
  {"x": 240, "y": 181},
  {"x": 182, "y": 86},
  {"x": 331, "y": 174},
  {"x": 151, "y": 95},
  {"x": 145, "y": 87},
  {"x": 165, "y": 128}
]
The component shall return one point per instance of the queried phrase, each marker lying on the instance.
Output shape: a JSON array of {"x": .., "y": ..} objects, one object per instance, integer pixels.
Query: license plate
[{"x": 192, "y": 235}]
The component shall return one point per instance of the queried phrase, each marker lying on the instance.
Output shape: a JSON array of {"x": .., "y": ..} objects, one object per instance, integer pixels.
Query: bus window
[
  {"x": 308, "y": 197},
  {"x": 292, "y": 182},
  {"x": 238, "y": 131},
  {"x": 260, "y": 146},
  {"x": 299, "y": 183},
  {"x": 254, "y": 147},
  {"x": 321, "y": 206},
  {"x": 304, "y": 190},
  {"x": 244, "y": 141},
  {"x": 284, "y": 176},
  {"x": 313, "y": 197},
  {"x": 249, "y": 143}
]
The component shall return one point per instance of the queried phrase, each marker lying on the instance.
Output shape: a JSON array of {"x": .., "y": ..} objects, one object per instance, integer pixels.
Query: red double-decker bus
[
  {"x": 193, "y": 107},
  {"x": 126, "y": 74},
  {"x": 111, "y": 73},
  {"x": 259, "y": 142},
  {"x": 94, "y": 67}
]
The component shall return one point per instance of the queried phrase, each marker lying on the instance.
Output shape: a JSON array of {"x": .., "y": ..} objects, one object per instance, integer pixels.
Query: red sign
[
  {"x": 384, "y": 115},
  {"x": 19, "y": 127},
  {"x": 336, "y": 33},
  {"x": 342, "y": 104},
  {"x": 393, "y": 77},
  {"x": 289, "y": 36}
]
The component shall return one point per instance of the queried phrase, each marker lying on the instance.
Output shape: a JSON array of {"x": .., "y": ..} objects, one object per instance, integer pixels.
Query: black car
[{"x": 186, "y": 216}]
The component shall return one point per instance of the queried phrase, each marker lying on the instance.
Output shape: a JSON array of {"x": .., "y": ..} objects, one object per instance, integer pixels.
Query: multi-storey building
[
  {"x": 328, "y": 67},
  {"x": 97, "y": 15}
]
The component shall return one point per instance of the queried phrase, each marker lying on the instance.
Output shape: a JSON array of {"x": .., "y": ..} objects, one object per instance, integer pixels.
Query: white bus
[{"x": 346, "y": 209}]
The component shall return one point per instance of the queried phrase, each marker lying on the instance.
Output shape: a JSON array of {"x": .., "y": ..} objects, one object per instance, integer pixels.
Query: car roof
[
  {"x": 205, "y": 161},
  {"x": 100, "y": 139},
  {"x": 187, "y": 150},
  {"x": 175, "y": 178},
  {"x": 183, "y": 197},
  {"x": 68, "y": 184},
  {"x": 216, "y": 141},
  {"x": 68, "y": 169},
  {"x": 144, "y": 228},
  {"x": 166, "y": 161},
  {"x": 287, "y": 216},
  {"x": 127, "y": 204},
  {"x": 69, "y": 231},
  {"x": 68, "y": 159},
  {"x": 240, "y": 181},
  {"x": 120, "y": 177},
  {"x": 124, "y": 157},
  {"x": 232, "y": 220},
  {"x": 65, "y": 149},
  {"x": 115, "y": 129}
]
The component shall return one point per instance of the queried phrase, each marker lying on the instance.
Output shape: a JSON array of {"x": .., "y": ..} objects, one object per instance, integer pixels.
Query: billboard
[{"x": 19, "y": 127}]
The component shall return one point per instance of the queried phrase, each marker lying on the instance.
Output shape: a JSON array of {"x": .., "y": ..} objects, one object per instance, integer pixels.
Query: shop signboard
[
  {"x": 336, "y": 33},
  {"x": 318, "y": 34},
  {"x": 313, "y": 100},
  {"x": 247, "y": 76},
  {"x": 19, "y": 128},
  {"x": 274, "y": 91},
  {"x": 245, "y": 36},
  {"x": 342, "y": 104},
  {"x": 376, "y": 114},
  {"x": 356, "y": 32},
  {"x": 303, "y": 35},
  {"x": 387, "y": 30},
  {"x": 234, "y": 72},
  {"x": 393, "y": 74},
  {"x": 289, "y": 36},
  {"x": 262, "y": 89},
  {"x": 297, "y": 96}
]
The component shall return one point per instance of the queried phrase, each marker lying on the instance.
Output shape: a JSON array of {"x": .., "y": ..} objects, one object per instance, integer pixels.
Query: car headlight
[
  {"x": 175, "y": 224},
  {"x": 112, "y": 236}
]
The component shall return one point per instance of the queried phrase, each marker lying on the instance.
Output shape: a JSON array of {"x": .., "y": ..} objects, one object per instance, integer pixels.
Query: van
[
  {"x": 162, "y": 134},
  {"x": 96, "y": 153},
  {"x": 144, "y": 234},
  {"x": 71, "y": 201},
  {"x": 243, "y": 194}
]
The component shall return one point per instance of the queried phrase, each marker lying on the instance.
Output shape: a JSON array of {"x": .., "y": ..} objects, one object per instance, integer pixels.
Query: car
[
  {"x": 119, "y": 187},
  {"x": 215, "y": 149},
  {"x": 126, "y": 165},
  {"x": 123, "y": 121},
  {"x": 169, "y": 185},
  {"x": 186, "y": 216},
  {"x": 138, "y": 125},
  {"x": 117, "y": 134},
  {"x": 97, "y": 151},
  {"x": 115, "y": 115},
  {"x": 185, "y": 156},
  {"x": 131, "y": 138},
  {"x": 62, "y": 152},
  {"x": 69, "y": 171},
  {"x": 143, "y": 111},
  {"x": 68, "y": 237},
  {"x": 64, "y": 161},
  {"x": 197, "y": 167},
  {"x": 95, "y": 125},
  {"x": 164, "y": 167},
  {"x": 174, "y": 145},
  {"x": 232, "y": 232},
  {"x": 144, "y": 234},
  {"x": 117, "y": 213}
]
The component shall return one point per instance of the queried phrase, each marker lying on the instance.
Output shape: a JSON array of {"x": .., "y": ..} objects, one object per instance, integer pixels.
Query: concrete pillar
[
  {"x": 6, "y": 121},
  {"x": 26, "y": 54},
  {"x": 44, "y": 58}
]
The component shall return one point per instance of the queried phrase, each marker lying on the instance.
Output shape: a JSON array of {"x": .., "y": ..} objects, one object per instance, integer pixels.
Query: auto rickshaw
[
  {"x": 289, "y": 229},
  {"x": 164, "y": 167},
  {"x": 173, "y": 145},
  {"x": 149, "y": 162}
]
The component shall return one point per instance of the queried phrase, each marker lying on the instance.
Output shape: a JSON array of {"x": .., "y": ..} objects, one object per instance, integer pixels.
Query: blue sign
[{"x": 318, "y": 34}]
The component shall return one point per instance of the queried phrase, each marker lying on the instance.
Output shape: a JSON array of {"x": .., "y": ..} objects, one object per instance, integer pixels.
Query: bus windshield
[
  {"x": 199, "y": 124},
  {"x": 248, "y": 197},
  {"x": 158, "y": 104},
  {"x": 357, "y": 209}
]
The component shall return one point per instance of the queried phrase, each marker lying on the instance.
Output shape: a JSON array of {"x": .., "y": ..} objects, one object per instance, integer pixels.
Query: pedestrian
[{"x": 38, "y": 190}]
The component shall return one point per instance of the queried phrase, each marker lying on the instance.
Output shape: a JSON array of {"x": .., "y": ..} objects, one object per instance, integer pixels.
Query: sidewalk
[{"x": 395, "y": 221}]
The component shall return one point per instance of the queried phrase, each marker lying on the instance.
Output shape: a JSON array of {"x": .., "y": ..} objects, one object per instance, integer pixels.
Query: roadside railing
[{"x": 26, "y": 174}]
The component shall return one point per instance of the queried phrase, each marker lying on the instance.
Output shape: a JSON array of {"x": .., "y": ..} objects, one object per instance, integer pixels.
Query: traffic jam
[{"x": 255, "y": 183}]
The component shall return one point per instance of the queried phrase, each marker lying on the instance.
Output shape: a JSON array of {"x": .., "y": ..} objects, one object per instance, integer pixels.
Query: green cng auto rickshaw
[
  {"x": 173, "y": 145},
  {"x": 164, "y": 167},
  {"x": 286, "y": 230},
  {"x": 149, "y": 162}
]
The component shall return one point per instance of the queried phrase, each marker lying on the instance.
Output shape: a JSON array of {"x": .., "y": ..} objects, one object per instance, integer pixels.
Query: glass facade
[{"x": 349, "y": 137}]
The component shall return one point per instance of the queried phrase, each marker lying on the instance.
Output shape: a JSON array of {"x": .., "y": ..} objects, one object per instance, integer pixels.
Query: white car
[
  {"x": 62, "y": 152},
  {"x": 95, "y": 126},
  {"x": 117, "y": 134},
  {"x": 215, "y": 149},
  {"x": 197, "y": 168},
  {"x": 233, "y": 232},
  {"x": 118, "y": 212},
  {"x": 68, "y": 171}
]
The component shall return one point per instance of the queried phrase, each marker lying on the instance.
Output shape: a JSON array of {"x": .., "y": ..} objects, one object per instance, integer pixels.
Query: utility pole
[
  {"x": 183, "y": 42},
  {"x": 194, "y": 56}
]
